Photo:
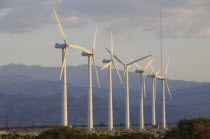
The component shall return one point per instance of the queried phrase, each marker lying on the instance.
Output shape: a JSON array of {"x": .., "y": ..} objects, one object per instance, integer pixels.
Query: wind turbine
[
  {"x": 110, "y": 107},
  {"x": 163, "y": 82},
  {"x": 163, "y": 78},
  {"x": 91, "y": 58},
  {"x": 63, "y": 70},
  {"x": 141, "y": 71},
  {"x": 153, "y": 76},
  {"x": 126, "y": 66}
]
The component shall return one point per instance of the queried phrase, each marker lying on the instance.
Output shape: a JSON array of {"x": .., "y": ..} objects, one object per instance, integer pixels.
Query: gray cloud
[
  {"x": 187, "y": 18},
  {"x": 26, "y": 15}
]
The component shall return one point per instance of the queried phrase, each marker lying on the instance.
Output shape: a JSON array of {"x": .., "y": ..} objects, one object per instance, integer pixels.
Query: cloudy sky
[{"x": 28, "y": 32}]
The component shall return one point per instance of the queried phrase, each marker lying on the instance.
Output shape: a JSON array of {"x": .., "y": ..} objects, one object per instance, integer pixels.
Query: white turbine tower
[
  {"x": 153, "y": 76},
  {"x": 110, "y": 107},
  {"x": 127, "y": 109},
  {"x": 163, "y": 82},
  {"x": 141, "y": 71},
  {"x": 91, "y": 58},
  {"x": 63, "y": 70}
]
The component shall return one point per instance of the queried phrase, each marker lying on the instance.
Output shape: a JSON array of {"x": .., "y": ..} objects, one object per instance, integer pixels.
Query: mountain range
[{"x": 31, "y": 95}]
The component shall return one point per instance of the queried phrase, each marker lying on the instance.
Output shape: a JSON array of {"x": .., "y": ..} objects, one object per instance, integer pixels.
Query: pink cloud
[
  {"x": 70, "y": 19},
  {"x": 204, "y": 33},
  {"x": 180, "y": 11}
]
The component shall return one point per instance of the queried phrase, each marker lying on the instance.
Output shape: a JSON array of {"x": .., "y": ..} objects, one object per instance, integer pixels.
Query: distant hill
[
  {"x": 77, "y": 76},
  {"x": 31, "y": 95}
]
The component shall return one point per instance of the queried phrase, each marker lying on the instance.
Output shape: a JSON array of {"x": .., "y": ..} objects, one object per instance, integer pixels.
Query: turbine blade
[
  {"x": 138, "y": 60},
  {"x": 136, "y": 64},
  {"x": 112, "y": 51},
  {"x": 169, "y": 92},
  {"x": 63, "y": 64},
  {"x": 157, "y": 72},
  {"x": 124, "y": 74},
  {"x": 96, "y": 71},
  {"x": 152, "y": 69},
  {"x": 106, "y": 65},
  {"x": 81, "y": 48},
  {"x": 117, "y": 72},
  {"x": 167, "y": 68},
  {"x": 60, "y": 27},
  {"x": 94, "y": 41},
  {"x": 115, "y": 57},
  {"x": 147, "y": 65}
]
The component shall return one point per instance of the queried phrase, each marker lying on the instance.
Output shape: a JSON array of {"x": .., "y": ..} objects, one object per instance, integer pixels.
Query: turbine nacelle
[
  {"x": 86, "y": 54},
  {"x": 151, "y": 76},
  {"x": 161, "y": 77},
  {"x": 106, "y": 61},
  {"x": 62, "y": 46},
  {"x": 139, "y": 71}
]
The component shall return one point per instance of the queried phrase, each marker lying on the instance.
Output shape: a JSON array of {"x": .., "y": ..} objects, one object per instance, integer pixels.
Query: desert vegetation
[{"x": 195, "y": 128}]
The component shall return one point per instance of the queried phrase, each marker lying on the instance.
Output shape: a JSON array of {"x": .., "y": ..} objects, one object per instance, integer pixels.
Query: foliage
[
  {"x": 16, "y": 136},
  {"x": 60, "y": 132},
  {"x": 196, "y": 128}
]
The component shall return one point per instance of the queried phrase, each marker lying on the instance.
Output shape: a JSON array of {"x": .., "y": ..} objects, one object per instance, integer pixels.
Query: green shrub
[
  {"x": 16, "y": 136},
  {"x": 60, "y": 132},
  {"x": 195, "y": 128}
]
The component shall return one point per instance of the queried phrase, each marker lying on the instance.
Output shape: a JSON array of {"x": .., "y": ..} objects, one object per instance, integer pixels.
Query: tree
[{"x": 195, "y": 128}]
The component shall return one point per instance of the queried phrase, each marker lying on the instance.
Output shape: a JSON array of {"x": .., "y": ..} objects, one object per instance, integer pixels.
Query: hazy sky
[{"x": 28, "y": 32}]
